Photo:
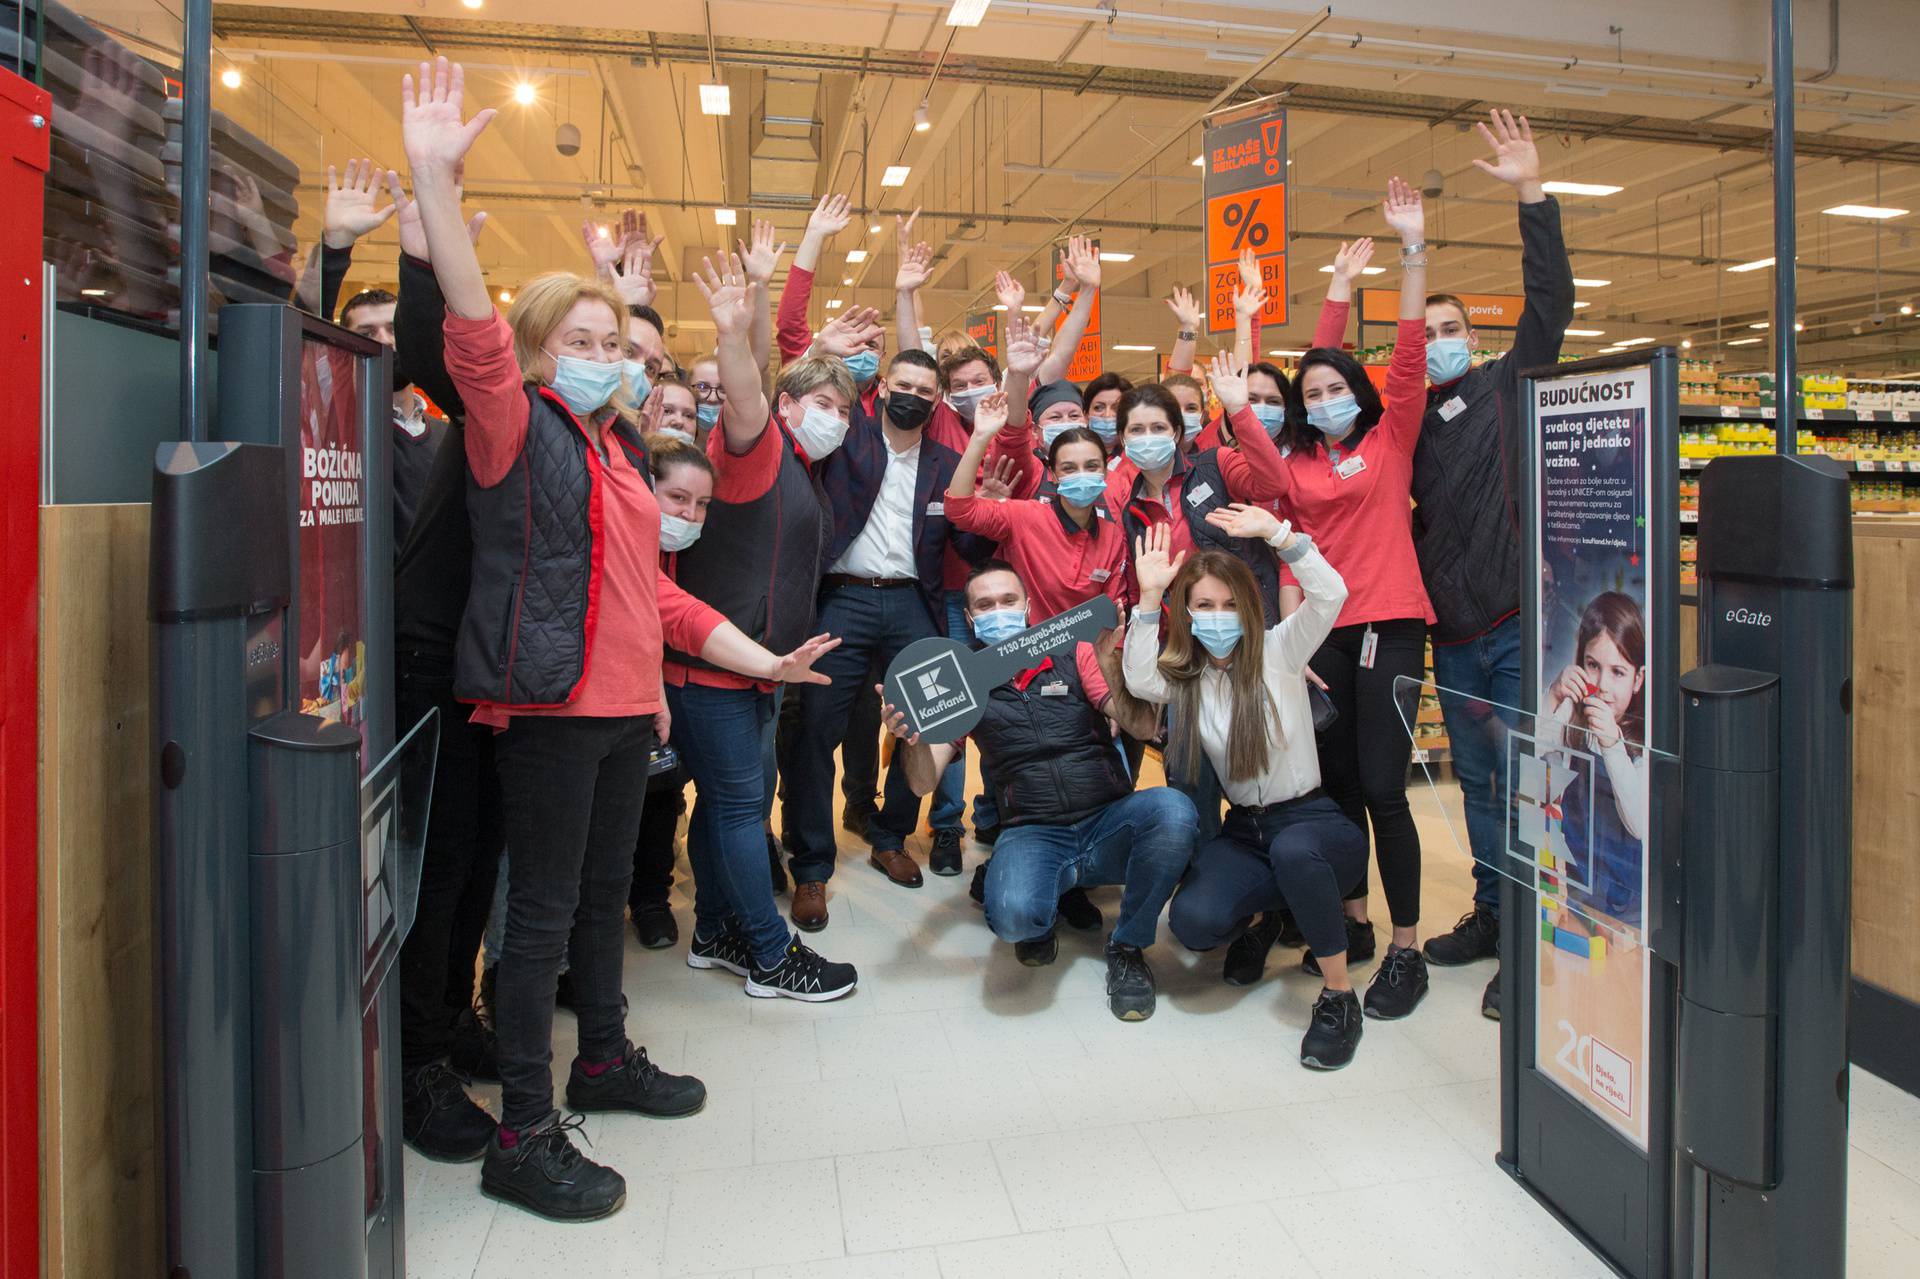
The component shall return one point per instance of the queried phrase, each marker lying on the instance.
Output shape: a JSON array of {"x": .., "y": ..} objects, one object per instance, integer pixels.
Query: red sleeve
[
  {"x": 1406, "y": 386},
  {"x": 1252, "y": 468},
  {"x": 793, "y": 334},
  {"x": 976, "y": 514},
  {"x": 1016, "y": 442},
  {"x": 1091, "y": 678},
  {"x": 686, "y": 623},
  {"x": 945, "y": 427},
  {"x": 743, "y": 477},
  {"x": 480, "y": 362},
  {"x": 1332, "y": 327},
  {"x": 1209, "y": 437}
]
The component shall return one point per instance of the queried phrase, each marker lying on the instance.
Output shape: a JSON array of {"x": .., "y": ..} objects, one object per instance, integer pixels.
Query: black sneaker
[
  {"x": 1079, "y": 911},
  {"x": 727, "y": 949},
  {"x": 776, "y": 867},
  {"x": 635, "y": 1084},
  {"x": 1490, "y": 999},
  {"x": 1247, "y": 956},
  {"x": 1290, "y": 935},
  {"x": 1334, "y": 1032},
  {"x": 985, "y": 835},
  {"x": 944, "y": 857},
  {"x": 547, "y": 1175},
  {"x": 978, "y": 889},
  {"x": 1038, "y": 952},
  {"x": 1130, "y": 987},
  {"x": 1360, "y": 944},
  {"x": 438, "y": 1118},
  {"x": 802, "y": 975},
  {"x": 1400, "y": 984},
  {"x": 856, "y": 821},
  {"x": 655, "y": 925},
  {"x": 1476, "y": 936},
  {"x": 474, "y": 1050}
]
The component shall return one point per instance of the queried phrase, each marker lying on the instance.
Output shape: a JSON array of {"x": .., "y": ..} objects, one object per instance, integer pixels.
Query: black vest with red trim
[
  {"x": 527, "y": 631},
  {"x": 1204, "y": 478},
  {"x": 759, "y": 562},
  {"x": 1049, "y": 750}
]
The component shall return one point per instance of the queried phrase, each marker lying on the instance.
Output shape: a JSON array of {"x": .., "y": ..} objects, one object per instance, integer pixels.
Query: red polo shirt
[{"x": 1061, "y": 563}]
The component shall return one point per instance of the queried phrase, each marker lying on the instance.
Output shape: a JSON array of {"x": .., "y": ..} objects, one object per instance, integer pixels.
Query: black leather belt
[
  {"x": 876, "y": 583},
  {"x": 1257, "y": 811}
]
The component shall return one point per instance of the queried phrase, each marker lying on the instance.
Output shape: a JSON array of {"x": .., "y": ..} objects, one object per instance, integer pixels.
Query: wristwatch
[
  {"x": 1188, "y": 335},
  {"x": 1063, "y": 300},
  {"x": 1408, "y": 250}
]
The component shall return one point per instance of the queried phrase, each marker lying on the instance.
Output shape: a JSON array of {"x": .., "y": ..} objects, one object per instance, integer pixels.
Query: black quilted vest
[
  {"x": 1204, "y": 478},
  {"x": 1051, "y": 755},
  {"x": 524, "y": 637},
  {"x": 759, "y": 562}
]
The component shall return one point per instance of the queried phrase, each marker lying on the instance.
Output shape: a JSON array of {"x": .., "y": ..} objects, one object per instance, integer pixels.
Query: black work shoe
[
  {"x": 474, "y": 1050},
  {"x": 802, "y": 975},
  {"x": 547, "y": 1175},
  {"x": 726, "y": 949},
  {"x": 439, "y": 1119},
  {"x": 1334, "y": 1032},
  {"x": 978, "y": 889},
  {"x": 1360, "y": 944},
  {"x": 635, "y": 1084},
  {"x": 1400, "y": 984},
  {"x": 1490, "y": 999},
  {"x": 944, "y": 857},
  {"x": 856, "y": 821},
  {"x": 1079, "y": 911},
  {"x": 776, "y": 868},
  {"x": 1290, "y": 934},
  {"x": 1130, "y": 987},
  {"x": 985, "y": 835},
  {"x": 1247, "y": 956},
  {"x": 1476, "y": 936},
  {"x": 1038, "y": 952},
  {"x": 655, "y": 925}
]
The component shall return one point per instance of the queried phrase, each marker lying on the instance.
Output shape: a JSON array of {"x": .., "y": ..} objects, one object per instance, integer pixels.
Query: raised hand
[
  {"x": 916, "y": 267},
  {"x": 725, "y": 289},
  {"x": 762, "y": 258},
  {"x": 413, "y": 237},
  {"x": 1011, "y": 293},
  {"x": 1237, "y": 519},
  {"x": 845, "y": 334},
  {"x": 632, "y": 275},
  {"x": 829, "y": 218},
  {"x": 903, "y": 233},
  {"x": 1351, "y": 261},
  {"x": 1186, "y": 310},
  {"x": 1404, "y": 211},
  {"x": 990, "y": 415},
  {"x": 1154, "y": 567},
  {"x": 997, "y": 479},
  {"x": 603, "y": 246},
  {"x": 1022, "y": 345},
  {"x": 1069, "y": 282},
  {"x": 435, "y": 136},
  {"x": 1228, "y": 377},
  {"x": 1516, "y": 161},
  {"x": 1250, "y": 297},
  {"x": 797, "y": 667},
  {"x": 352, "y": 208},
  {"x": 1084, "y": 261}
]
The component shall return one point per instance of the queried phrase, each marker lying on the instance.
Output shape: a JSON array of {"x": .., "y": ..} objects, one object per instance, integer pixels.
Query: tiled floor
[{"x": 962, "y": 1116}]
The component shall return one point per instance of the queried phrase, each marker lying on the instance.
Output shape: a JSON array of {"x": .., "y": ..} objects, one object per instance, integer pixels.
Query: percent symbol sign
[{"x": 1245, "y": 230}]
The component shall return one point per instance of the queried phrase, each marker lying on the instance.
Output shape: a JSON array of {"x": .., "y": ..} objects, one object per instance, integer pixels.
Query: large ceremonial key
[{"x": 942, "y": 684}]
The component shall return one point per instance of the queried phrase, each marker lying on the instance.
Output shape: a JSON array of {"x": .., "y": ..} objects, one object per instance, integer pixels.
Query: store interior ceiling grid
[{"x": 1035, "y": 112}]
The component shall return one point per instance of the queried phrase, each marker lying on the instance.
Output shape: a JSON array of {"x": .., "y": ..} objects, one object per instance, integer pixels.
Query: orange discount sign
[
  {"x": 1484, "y": 310},
  {"x": 1246, "y": 211}
]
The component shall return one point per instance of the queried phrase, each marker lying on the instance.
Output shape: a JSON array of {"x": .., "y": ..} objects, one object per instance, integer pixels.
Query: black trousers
[
  {"x": 653, "y": 851},
  {"x": 1365, "y": 754},
  {"x": 459, "y": 863},
  {"x": 574, "y": 789}
]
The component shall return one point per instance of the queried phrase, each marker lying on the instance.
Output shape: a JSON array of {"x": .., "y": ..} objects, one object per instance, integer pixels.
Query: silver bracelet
[
  {"x": 1408, "y": 250},
  {"x": 1419, "y": 261}
]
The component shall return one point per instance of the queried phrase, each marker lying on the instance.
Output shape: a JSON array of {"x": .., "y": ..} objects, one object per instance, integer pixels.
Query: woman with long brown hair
[{"x": 1237, "y": 689}]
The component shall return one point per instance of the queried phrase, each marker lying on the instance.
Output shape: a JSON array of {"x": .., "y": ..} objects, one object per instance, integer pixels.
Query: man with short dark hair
[{"x": 418, "y": 427}]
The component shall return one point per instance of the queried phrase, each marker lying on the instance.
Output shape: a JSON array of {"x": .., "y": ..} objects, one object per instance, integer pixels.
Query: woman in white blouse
[{"x": 1243, "y": 688}]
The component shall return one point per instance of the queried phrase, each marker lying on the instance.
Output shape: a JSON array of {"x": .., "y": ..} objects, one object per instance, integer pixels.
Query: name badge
[
  {"x": 936, "y": 508},
  {"x": 1199, "y": 493},
  {"x": 1053, "y": 690},
  {"x": 1452, "y": 409},
  {"x": 1351, "y": 467},
  {"x": 1099, "y": 575}
]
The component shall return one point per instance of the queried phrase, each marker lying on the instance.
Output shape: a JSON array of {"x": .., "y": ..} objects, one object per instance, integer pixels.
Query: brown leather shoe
[
  {"x": 896, "y": 865},
  {"x": 810, "y": 906}
]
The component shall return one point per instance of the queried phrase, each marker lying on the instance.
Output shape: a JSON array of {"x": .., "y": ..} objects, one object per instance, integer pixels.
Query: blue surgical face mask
[
  {"x": 1447, "y": 359},
  {"x": 1149, "y": 452},
  {"x": 1083, "y": 488},
  {"x": 1105, "y": 427},
  {"x": 1218, "y": 633},
  {"x": 637, "y": 379},
  {"x": 1271, "y": 416},
  {"x": 863, "y": 365},
  {"x": 677, "y": 534},
  {"x": 585, "y": 386},
  {"x": 999, "y": 624},
  {"x": 709, "y": 414},
  {"x": 1334, "y": 418},
  {"x": 1192, "y": 423},
  {"x": 1053, "y": 431},
  {"x": 966, "y": 402}
]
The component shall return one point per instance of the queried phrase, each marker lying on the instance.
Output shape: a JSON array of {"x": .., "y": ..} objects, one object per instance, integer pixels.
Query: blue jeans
[
  {"x": 1300, "y": 855},
  {"x": 725, "y": 739},
  {"x": 950, "y": 795},
  {"x": 873, "y": 625},
  {"x": 1489, "y": 667},
  {"x": 1143, "y": 840}
]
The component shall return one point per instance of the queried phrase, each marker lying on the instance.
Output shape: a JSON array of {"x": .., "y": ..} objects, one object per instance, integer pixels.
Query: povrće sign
[{"x": 942, "y": 684}]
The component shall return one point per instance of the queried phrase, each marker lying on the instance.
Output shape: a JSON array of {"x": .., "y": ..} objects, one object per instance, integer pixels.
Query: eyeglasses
[{"x": 711, "y": 391}]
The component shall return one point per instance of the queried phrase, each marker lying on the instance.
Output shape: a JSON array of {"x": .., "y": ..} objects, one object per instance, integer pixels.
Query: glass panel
[{"x": 395, "y": 799}]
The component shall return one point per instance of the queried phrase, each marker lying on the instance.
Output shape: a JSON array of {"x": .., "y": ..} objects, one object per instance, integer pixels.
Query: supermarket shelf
[
  {"x": 1747, "y": 413},
  {"x": 1865, "y": 468}
]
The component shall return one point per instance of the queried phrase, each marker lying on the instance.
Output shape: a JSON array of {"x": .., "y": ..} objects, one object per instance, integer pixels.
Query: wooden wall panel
[
  {"x": 1886, "y": 758},
  {"x": 100, "y": 1060}
]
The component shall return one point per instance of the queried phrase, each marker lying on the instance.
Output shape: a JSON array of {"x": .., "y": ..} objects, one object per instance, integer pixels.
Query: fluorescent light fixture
[
  {"x": 93, "y": 293},
  {"x": 922, "y": 121},
  {"x": 1033, "y": 310},
  {"x": 1286, "y": 353},
  {"x": 1580, "y": 188},
  {"x": 472, "y": 4},
  {"x": 1579, "y": 283},
  {"x": 1199, "y": 160},
  {"x": 999, "y": 306},
  {"x": 231, "y": 77},
  {"x": 1118, "y": 257},
  {"x": 1640, "y": 341},
  {"x": 1764, "y": 324},
  {"x": 834, "y": 305},
  {"x": 847, "y": 280},
  {"x": 1744, "y": 342},
  {"x": 1119, "y": 347},
  {"x": 1580, "y": 305},
  {"x": 855, "y": 256},
  {"x": 524, "y": 93},
  {"x": 1760, "y": 264},
  {"x": 1586, "y": 333},
  {"x": 967, "y": 13},
  {"x": 1577, "y": 90},
  {"x": 896, "y": 175},
  {"x": 716, "y": 99},
  {"x": 874, "y": 229},
  {"x": 1875, "y": 211},
  {"x": 1365, "y": 270},
  {"x": 725, "y": 217}
]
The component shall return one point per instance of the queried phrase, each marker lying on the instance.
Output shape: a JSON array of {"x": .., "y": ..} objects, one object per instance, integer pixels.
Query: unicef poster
[{"x": 1583, "y": 794}]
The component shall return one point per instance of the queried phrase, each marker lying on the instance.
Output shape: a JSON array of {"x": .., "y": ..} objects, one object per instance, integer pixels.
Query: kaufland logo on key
[{"x": 931, "y": 686}]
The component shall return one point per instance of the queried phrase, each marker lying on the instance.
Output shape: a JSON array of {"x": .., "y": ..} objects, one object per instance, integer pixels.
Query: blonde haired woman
[{"x": 1237, "y": 690}]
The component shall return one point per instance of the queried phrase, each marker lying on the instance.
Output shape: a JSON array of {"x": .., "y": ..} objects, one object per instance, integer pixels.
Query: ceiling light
[
  {"x": 1365, "y": 270},
  {"x": 1743, "y": 342},
  {"x": 847, "y": 280},
  {"x": 524, "y": 94},
  {"x": 1580, "y": 188},
  {"x": 93, "y": 293},
  {"x": 473, "y": 4},
  {"x": 1119, "y": 347},
  {"x": 725, "y": 217},
  {"x": 921, "y": 120},
  {"x": 1578, "y": 305},
  {"x": 1906, "y": 309},
  {"x": 1579, "y": 283},
  {"x": 834, "y": 305},
  {"x": 1640, "y": 341},
  {"x": 1764, "y": 324},
  {"x": 856, "y": 256},
  {"x": 1118, "y": 257},
  {"x": 1577, "y": 90},
  {"x": 1686, "y": 344},
  {"x": 1878, "y": 212},
  {"x": 1033, "y": 310},
  {"x": 967, "y": 13},
  {"x": 1586, "y": 333},
  {"x": 874, "y": 229},
  {"x": 1799, "y": 327},
  {"x": 1286, "y": 354},
  {"x": 716, "y": 99},
  {"x": 505, "y": 296},
  {"x": 1759, "y": 265},
  {"x": 999, "y": 306},
  {"x": 231, "y": 77},
  {"x": 1199, "y": 160},
  {"x": 896, "y": 175}
]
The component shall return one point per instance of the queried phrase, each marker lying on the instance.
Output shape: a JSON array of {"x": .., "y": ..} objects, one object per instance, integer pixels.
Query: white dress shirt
[
  {"x": 1293, "y": 761},
  {"x": 885, "y": 546}
]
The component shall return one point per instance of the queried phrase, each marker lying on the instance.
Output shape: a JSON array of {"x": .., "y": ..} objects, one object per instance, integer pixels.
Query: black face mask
[{"x": 908, "y": 412}]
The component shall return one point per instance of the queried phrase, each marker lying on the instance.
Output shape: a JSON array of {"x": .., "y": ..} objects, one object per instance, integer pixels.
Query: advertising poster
[
  {"x": 1245, "y": 177},
  {"x": 1583, "y": 794},
  {"x": 331, "y": 644}
]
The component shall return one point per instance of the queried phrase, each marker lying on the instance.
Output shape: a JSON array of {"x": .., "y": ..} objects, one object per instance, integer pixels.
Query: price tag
[
  {"x": 1729, "y": 410},
  {"x": 1767, "y": 413},
  {"x": 1867, "y": 466},
  {"x": 1814, "y": 415},
  {"x": 1900, "y": 415}
]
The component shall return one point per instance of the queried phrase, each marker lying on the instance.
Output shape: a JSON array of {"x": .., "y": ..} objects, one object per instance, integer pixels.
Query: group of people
[{"x": 617, "y": 578}]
